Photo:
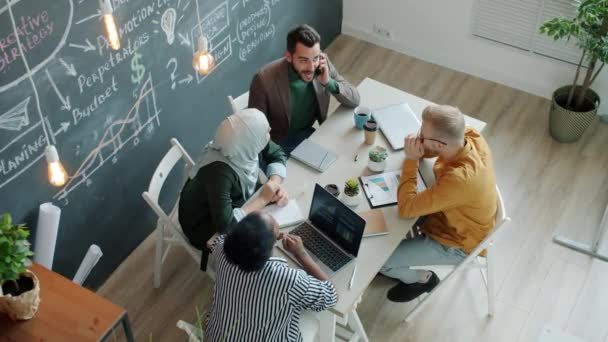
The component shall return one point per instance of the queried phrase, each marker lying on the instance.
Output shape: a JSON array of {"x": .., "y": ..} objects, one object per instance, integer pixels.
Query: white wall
[{"x": 439, "y": 31}]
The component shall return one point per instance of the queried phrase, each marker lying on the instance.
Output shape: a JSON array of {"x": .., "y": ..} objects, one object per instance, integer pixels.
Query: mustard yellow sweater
[{"x": 461, "y": 205}]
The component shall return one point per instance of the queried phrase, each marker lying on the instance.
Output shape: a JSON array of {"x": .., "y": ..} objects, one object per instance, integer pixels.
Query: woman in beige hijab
[{"x": 226, "y": 176}]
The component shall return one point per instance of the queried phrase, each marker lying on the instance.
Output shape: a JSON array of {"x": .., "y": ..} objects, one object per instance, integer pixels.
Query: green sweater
[
  {"x": 207, "y": 201},
  {"x": 303, "y": 101}
]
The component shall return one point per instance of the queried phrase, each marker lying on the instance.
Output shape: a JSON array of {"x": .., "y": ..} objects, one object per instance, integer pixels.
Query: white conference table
[{"x": 339, "y": 134}]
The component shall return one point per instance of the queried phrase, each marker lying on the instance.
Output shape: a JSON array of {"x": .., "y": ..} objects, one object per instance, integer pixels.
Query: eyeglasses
[{"x": 422, "y": 138}]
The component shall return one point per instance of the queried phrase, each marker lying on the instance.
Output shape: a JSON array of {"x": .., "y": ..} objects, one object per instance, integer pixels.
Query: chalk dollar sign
[{"x": 138, "y": 69}]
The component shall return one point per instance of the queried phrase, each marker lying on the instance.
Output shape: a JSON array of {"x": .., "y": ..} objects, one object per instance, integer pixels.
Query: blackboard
[{"x": 111, "y": 113}]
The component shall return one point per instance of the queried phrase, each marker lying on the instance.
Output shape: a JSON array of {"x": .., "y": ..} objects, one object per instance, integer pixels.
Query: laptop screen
[{"x": 336, "y": 220}]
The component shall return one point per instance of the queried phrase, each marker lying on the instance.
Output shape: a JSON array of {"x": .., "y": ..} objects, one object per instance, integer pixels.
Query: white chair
[
  {"x": 168, "y": 229},
  {"x": 473, "y": 258},
  {"x": 239, "y": 103}
]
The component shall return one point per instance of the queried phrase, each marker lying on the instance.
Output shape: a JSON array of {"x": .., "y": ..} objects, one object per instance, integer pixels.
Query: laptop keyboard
[{"x": 318, "y": 245}]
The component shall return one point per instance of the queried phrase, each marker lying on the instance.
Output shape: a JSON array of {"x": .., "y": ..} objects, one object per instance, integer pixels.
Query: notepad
[
  {"x": 314, "y": 155},
  {"x": 286, "y": 216},
  {"x": 396, "y": 122},
  {"x": 374, "y": 223}
]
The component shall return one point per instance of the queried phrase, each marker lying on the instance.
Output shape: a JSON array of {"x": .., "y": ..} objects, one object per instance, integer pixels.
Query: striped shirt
[{"x": 264, "y": 305}]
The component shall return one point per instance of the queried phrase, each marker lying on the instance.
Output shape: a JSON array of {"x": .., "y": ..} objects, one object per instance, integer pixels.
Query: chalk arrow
[
  {"x": 88, "y": 47},
  {"x": 183, "y": 40},
  {"x": 63, "y": 128},
  {"x": 70, "y": 70},
  {"x": 64, "y": 101},
  {"x": 187, "y": 79}
]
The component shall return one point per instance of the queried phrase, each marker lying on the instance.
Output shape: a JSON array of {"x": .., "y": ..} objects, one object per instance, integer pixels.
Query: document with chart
[{"x": 381, "y": 189}]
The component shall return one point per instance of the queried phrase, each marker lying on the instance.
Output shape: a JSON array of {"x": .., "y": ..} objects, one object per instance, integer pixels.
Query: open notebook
[{"x": 286, "y": 216}]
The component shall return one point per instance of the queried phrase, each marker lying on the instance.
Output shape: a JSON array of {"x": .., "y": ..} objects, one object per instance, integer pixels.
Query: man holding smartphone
[{"x": 294, "y": 91}]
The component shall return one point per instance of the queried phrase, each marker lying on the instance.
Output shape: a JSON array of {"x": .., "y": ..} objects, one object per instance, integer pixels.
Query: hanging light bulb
[
  {"x": 110, "y": 25},
  {"x": 202, "y": 61},
  {"x": 57, "y": 174}
]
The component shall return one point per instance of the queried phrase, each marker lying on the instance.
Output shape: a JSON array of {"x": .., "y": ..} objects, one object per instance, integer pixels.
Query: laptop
[
  {"x": 332, "y": 234},
  {"x": 396, "y": 122},
  {"x": 313, "y": 155}
]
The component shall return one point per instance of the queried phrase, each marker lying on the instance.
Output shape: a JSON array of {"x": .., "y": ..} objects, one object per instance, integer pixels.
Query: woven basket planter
[
  {"x": 25, "y": 305},
  {"x": 566, "y": 125}
]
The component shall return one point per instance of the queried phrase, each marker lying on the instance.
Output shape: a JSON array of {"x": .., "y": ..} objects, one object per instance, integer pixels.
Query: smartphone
[{"x": 318, "y": 71}]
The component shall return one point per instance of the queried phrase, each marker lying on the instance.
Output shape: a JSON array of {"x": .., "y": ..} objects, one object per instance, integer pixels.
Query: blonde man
[{"x": 457, "y": 211}]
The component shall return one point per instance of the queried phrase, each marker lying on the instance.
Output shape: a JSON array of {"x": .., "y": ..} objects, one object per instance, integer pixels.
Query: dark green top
[
  {"x": 207, "y": 200},
  {"x": 303, "y": 101}
]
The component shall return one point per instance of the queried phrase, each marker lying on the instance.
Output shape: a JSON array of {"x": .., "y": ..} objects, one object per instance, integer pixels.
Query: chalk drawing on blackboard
[
  {"x": 16, "y": 118},
  {"x": 85, "y": 48},
  {"x": 167, "y": 24},
  {"x": 138, "y": 70},
  {"x": 70, "y": 70},
  {"x": 32, "y": 69},
  {"x": 186, "y": 80},
  {"x": 144, "y": 112},
  {"x": 21, "y": 153},
  {"x": 96, "y": 15},
  {"x": 183, "y": 39},
  {"x": 65, "y": 101},
  {"x": 172, "y": 61},
  {"x": 213, "y": 23},
  {"x": 214, "y": 26}
]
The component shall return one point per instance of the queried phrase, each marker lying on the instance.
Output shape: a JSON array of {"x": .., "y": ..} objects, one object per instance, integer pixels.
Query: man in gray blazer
[{"x": 294, "y": 91}]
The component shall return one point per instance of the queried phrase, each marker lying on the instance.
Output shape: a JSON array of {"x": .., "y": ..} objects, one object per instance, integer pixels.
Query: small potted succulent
[
  {"x": 377, "y": 159},
  {"x": 351, "y": 192},
  {"x": 19, "y": 287}
]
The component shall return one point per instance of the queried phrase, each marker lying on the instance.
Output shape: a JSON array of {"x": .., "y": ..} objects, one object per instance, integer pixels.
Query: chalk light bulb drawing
[
  {"x": 202, "y": 61},
  {"x": 167, "y": 23},
  {"x": 110, "y": 25},
  {"x": 57, "y": 174}
]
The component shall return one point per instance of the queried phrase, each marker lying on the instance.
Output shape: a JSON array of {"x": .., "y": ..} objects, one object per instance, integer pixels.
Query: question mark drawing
[{"x": 173, "y": 76}]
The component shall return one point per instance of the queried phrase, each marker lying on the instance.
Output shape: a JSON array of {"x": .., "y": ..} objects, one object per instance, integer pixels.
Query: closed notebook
[
  {"x": 374, "y": 223},
  {"x": 314, "y": 155},
  {"x": 286, "y": 216}
]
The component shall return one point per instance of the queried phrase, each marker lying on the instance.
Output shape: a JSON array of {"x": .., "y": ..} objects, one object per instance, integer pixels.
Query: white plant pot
[
  {"x": 375, "y": 166},
  {"x": 351, "y": 201}
]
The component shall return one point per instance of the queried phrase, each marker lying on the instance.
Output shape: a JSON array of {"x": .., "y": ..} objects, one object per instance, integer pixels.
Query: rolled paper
[
  {"x": 87, "y": 264},
  {"x": 46, "y": 234}
]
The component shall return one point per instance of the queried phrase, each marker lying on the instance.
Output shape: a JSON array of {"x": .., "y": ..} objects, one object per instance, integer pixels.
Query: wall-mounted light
[
  {"x": 202, "y": 61},
  {"x": 108, "y": 20},
  {"x": 57, "y": 174}
]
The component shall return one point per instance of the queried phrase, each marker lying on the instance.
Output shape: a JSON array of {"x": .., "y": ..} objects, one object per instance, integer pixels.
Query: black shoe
[{"x": 403, "y": 292}]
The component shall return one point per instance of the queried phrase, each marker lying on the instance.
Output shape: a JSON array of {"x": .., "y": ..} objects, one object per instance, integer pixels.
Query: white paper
[
  {"x": 90, "y": 260},
  {"x": 286, "y": 216},
  {"x": 381, "y": 189},
  {"x": 46, "y": 234}
]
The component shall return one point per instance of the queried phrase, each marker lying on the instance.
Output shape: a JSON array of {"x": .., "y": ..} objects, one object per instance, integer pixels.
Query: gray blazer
[{"x": 269, "y": 92}]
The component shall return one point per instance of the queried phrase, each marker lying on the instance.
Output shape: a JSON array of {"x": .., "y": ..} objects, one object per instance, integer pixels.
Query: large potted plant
[
  {"x": 575, "y": 106},
  {"x": 19, "y": 287}
]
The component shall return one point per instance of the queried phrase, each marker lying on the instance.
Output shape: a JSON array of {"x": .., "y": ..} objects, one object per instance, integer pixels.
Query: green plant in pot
[
  {"x": 574, "y": 106},
  {"x": 377, "y": 159},
  {"x": 19, "y": 287},
  {"x": 351, "y": 192}
]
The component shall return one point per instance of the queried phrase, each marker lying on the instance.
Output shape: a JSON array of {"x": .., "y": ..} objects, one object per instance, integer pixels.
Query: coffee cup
[
  {"x": 369, "y": 129},
  {"x": 362, "y": 114}
]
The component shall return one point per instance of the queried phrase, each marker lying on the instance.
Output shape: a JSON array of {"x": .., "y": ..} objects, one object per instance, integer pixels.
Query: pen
[
  {"x": 352, "y": 278},
  {"x": 356, "y": 156}
]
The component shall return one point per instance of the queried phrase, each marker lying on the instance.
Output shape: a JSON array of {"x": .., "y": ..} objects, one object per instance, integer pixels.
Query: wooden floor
[{"x": 548, "y": 188}]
